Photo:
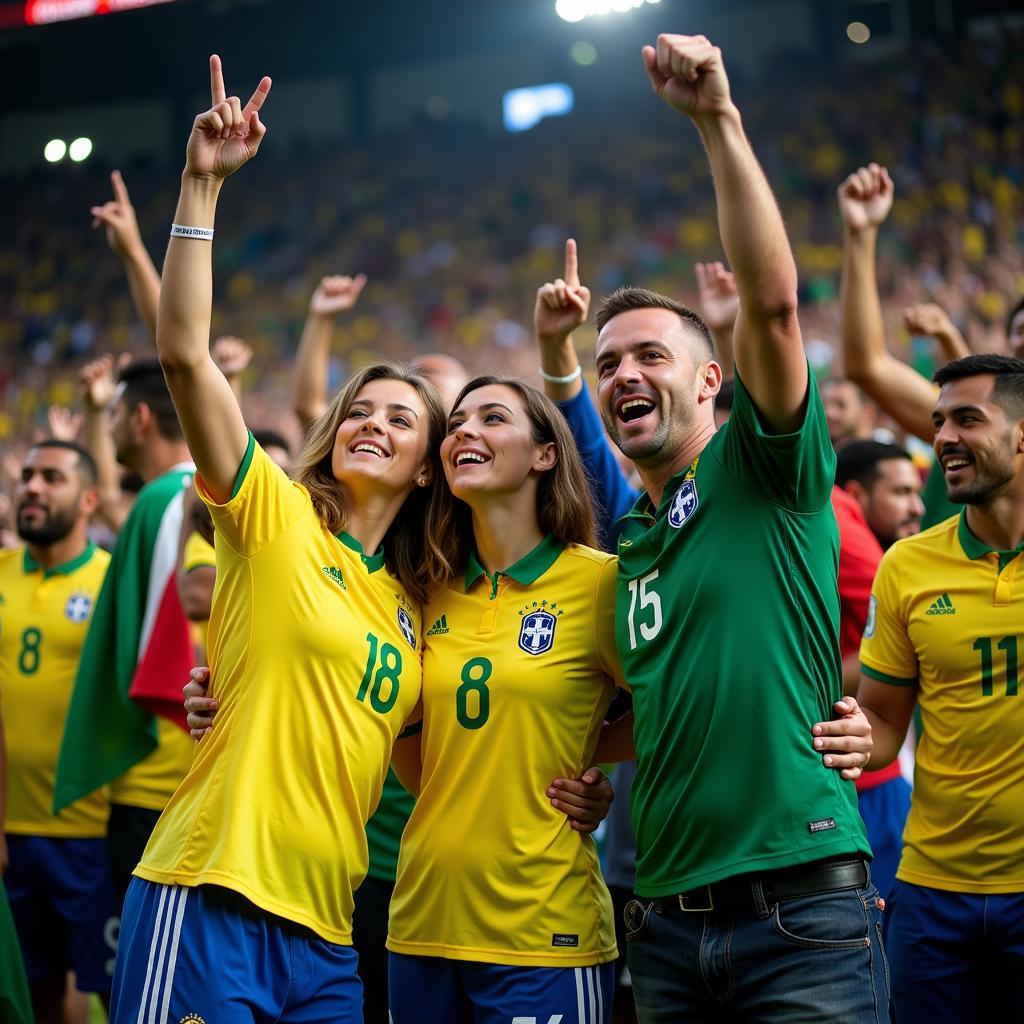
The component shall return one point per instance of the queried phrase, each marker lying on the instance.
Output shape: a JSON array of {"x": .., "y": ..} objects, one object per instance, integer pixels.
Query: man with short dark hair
[
  {"x": 58, "y": 879},
  {"x": 849, "y": 413},
  {"x": 138, "y": 648},
  {"x": 886, "y": 484},
  {"x": 727, "y": 625},
  {"x": 944, "y": 634}
]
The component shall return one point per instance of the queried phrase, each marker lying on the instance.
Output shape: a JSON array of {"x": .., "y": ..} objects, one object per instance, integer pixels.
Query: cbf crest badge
[
  {"x": 407, "y": 628},
  {"x": 537, "y": 632},
  {"x": 684, "y": 504},
  {"x": 78, "y": 607}
]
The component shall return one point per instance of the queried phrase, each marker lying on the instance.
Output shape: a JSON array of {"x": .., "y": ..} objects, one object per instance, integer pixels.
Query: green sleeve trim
[
  {"x": 873, "y": 673},
  {"x": 200, "y": 565},
  {"x": 411, "y": 730},
  {"x": 243, "y": 469}
]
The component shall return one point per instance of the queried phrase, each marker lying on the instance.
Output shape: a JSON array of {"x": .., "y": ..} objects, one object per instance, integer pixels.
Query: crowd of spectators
[{"x": 455, "y": 230}]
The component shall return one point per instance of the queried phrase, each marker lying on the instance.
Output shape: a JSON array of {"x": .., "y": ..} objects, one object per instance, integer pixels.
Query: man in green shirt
[{"x": 754, "y": 892}]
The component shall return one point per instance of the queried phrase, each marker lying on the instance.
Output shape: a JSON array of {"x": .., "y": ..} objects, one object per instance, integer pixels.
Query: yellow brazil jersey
[
  {"x": 315, "y": 661},
  {"x": 947, "y": 616},
  {"x": 151, "y": 782},
  {"x": 198, "y": 554},
  {"x": 518, "y": 672},
  {"x": 44, "y": 616}
]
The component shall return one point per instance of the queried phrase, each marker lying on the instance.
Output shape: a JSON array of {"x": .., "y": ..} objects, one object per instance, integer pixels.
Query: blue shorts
[
  {"x": 955, "y": 956},
  {"x": 884, "y": 809},
  {"x": 432, "y": 990},
  {"x": 206, "y": 953},
  {"x": 63, "y": 907}
]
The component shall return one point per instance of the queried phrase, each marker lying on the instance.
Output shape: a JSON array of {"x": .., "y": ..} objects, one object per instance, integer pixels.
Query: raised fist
[
  {"x": 563, "y": 304},
  {"x": 719, "y": 298},
  {"x": 927, "y": 320},
  {"x": 227, "y": 135},
  {"x": 865, "y": 198},
  {"x": 117, "y": 215},
  {"x": 98, "y": 384},
  {"x": 232, "y": 356},
  {"x": 64, "y": 424},
  {"x": 688, "y": 74},
  {"x": 336, "y": 294}
]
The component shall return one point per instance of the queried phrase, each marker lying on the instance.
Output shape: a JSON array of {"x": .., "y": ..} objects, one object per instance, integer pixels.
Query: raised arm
[
  {"x": 334, "y": 295},
  {"x": 719, "y": 307},
  {"x": 98, "y": 390},
  {"x": 117, "y": 216},
  {"x": 688, "y": 74},
  {"x": 865, "y": 199},
  {"x": 223, "y": 138}
]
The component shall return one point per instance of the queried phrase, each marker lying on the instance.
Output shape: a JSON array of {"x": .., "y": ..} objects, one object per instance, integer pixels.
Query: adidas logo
[
  {"x": 440, "y": 627},
  {"x": 335, "y": 574},
  {"x": 943, "y": 606}
]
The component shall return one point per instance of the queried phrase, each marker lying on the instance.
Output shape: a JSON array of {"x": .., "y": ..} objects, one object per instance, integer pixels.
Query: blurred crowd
[{"x": 455, "y": 230}]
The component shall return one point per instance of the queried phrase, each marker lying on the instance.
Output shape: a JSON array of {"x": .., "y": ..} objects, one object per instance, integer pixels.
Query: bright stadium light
[
  {"x": 858, "y": 32},
  {"x": 577, "y": 10},
  {"x": 54, "y": 150},
  {"x": 523, "y": 108},
  {"x": 80, "y": 149}
]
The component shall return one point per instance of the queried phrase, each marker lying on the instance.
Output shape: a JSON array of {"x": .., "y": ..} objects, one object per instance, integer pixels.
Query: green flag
[{"x": 15, "y": 1004}]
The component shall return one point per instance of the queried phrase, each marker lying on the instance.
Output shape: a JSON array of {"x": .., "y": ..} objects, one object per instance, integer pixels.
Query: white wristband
[
  {"x": 184, "y": 231},
  {"x": 567, "y": 379}
]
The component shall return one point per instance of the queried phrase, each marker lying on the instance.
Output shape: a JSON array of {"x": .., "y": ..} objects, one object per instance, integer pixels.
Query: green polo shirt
[{"x": 727, "y": 619}]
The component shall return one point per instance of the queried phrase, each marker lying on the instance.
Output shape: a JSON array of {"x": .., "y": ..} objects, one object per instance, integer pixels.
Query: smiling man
[
  {"x": 945, "y": 633},
  {"x": 754, "y": 892}
]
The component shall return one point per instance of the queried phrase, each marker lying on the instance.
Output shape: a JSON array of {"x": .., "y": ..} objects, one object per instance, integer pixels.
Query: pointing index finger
[
  {"x": 572, "y": 274},
  {"x": 118, "y": 185},
  {"x": 217, "y": 91},
  {"x": 257, "y": 98}
]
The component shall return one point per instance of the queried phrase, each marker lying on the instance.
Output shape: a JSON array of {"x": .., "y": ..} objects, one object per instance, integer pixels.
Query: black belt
[{"x": 742, "y": 892}]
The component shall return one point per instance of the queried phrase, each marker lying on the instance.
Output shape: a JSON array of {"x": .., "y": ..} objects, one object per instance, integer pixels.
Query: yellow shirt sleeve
[
  {"x": 198, "y": 553},
  {"x": 263, "y": 505},
  {"x": 886, "y": 651},
  {"x": 604, "y": 622}
]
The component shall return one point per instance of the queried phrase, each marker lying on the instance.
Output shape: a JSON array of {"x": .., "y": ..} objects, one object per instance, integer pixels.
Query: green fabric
[
  {"x": 243, "y": 469},
  {"x": 975, "y": 548},
  {"x": 372, "y": 562},
  {"x": 733, "y": 655},
  {"x": 384, "y": 829},
  {"x": 106, "y": 732},
  {"x": 937, "y": 506},
  {"x": 526, "y": 571},
  {"x": 15, "y": 1002},
  {"x": 66, "y": 568}
]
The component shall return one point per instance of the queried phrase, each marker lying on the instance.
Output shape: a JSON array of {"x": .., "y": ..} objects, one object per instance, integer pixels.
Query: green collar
[
  {"x": 372, "y": 562},
  {"x": 31, "y": 565},
  {"x": 527, "y": 570},
  {"x": 974, "y": 548}
]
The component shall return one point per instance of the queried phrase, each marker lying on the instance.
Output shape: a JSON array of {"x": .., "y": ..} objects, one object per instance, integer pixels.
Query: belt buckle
[{"x": 703, "y": 894}]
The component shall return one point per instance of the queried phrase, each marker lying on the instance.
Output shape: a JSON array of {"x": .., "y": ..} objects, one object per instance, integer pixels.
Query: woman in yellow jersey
[
  {"x": 241, "y": 906},
  {"x": 500, "y": 912}
]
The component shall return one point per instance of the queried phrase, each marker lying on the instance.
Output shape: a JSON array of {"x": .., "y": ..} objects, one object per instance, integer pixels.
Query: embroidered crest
[
  {"x": 407, "y": 628},
  {"x": 78, "y": 607},
  {"x": 537, "y": 632},
  {"x": 684, "y": 504}
]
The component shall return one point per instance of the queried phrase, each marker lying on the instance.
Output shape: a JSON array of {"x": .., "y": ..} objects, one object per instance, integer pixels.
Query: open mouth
[
  {"x": 370, "y": 448},
  {"x": 633, "y": 408},
  {"x": 954, "y": 463},
  {"x": 467, "y": 457}
]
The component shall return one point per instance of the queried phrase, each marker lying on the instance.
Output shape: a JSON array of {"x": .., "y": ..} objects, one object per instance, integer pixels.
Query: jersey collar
[
  {"x": 527, "y": 570},
  {"x": 643, "y": 509},
  {"x": 974, "y": 548},
  {"x": 372, "y": 562},
  {"x": 31, "y": 565}
]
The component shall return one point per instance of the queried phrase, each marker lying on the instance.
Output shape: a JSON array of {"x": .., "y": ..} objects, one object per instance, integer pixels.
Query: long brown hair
[
  {"x": 415, "y": 548},
  {"x": 565, "y": 508}
]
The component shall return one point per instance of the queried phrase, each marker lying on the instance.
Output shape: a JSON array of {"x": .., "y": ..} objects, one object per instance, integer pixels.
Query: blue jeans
[
  {"x": 814, "y": 959},
  {"x": 956, "y": 956}
]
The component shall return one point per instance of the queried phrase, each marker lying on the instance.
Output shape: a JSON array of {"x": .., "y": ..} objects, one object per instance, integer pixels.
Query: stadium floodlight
[
  {"x": 80, "y": 149},
  {"x": 523, "y": 108},
  {"x": 577, "y": 10},
  {"x": 54, "y": 151},
  {"x": 858, "y": 32}
]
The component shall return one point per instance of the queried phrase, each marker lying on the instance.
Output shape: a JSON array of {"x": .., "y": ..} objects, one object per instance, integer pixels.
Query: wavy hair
[
  {"x": 565, "y": 508},
  {"x": 415, "y": 548}
]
